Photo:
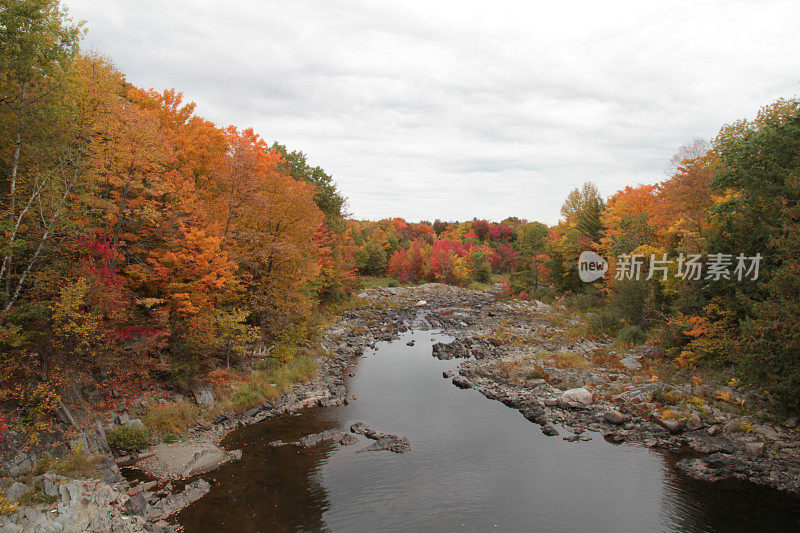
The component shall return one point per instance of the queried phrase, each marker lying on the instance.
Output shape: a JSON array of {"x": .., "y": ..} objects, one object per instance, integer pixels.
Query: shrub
[
  {"x": 661, "y": 397},
  {"x": 605, "y": 322},
  {"x": 630, "y": 298},
  {"x": 173, "y": 417},
  {"x": 584, "y": 301},
  {"x": 169, "y": 438},
  {"x": 129, "y": 437},
  {"x": 633, "y": 335},
  {"x": 6, "y": 506},
  {"x": 77, "y": 464}
]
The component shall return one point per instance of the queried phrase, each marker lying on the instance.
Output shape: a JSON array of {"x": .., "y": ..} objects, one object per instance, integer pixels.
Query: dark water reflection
[{"x": 474, "y": 465}]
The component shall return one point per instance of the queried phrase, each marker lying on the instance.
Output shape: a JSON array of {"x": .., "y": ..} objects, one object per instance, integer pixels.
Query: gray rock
[
  {"x": 15, "y": 492},
  {"x": 203, "y": 395},
  {"x": 549, "y": 430},
  {"x": 754, "y": 449},
  {"x": 348, "y": 439},
  {"x": 613, "y": 416},
  {"x": 252, "y": 412},
  {"x": 674, "y": 426},
  {"x": 21, "y": 464},
  {"x": 137, "y": 505},
  {"x": 392, "y": 443},
  {"x": 790, "y": 423},
  {"x": 461, "y": 383},
  {"x": 168, "y": 505},
  {"x": 577, "y": 398},
  {"x": 719, "y": 460},
  {"x": 693, "y": 423},
  {"x": 135, "y": 422},
  {"x": 631, "y": 363},
  {"x": 383, "y": 441},
  {"x": 317, "y": 438}
]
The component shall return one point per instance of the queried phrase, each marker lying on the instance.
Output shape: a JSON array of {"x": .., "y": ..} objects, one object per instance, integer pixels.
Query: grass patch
[
  {"x": 77, "y": 464},
  {"x": 173, "y": 417},
  {"x": 373, "y": 282},
  {"x": 266, "y": 383},
  {"x": 170, "y": 437},
  {"x": 570, "y": 360},
  {"x": 36, "y": 496},
  {"x": 128, "y": 437},
  {"x": 536, "y": 373}
]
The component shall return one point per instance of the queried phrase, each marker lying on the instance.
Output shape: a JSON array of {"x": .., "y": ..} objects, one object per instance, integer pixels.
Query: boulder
[
  {"x": 612, "y": 416},
  {"x": 631, "y": 363},
  {"x": 674, "y": 426},
  {"x": 549, "y": 430},
  {"x": 577, "y": 398},
  {"x": 15, "y": 492},
  {"x": 21, "y": 464},
  {"x": 392, "y": 443},
  {"x": 137, "y": 505},
  {"x": 693, "y": 423}
]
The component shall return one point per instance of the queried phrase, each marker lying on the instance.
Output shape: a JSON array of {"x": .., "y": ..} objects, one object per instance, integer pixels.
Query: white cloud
[{"x": 431, "y": 109}]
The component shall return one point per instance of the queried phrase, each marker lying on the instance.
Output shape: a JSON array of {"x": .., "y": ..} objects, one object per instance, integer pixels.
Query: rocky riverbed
[{"x": 537, "y": 358}]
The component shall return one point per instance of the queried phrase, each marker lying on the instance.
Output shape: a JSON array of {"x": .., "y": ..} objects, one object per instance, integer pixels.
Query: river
[{"x": 475, "y": 465}]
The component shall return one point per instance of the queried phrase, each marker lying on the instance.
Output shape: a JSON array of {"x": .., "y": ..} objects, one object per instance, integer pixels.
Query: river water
[{"x": 474, "y": 465}]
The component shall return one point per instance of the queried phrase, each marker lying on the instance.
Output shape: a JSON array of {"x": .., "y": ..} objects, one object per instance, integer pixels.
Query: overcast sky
[{"x": 456, "y": 110}]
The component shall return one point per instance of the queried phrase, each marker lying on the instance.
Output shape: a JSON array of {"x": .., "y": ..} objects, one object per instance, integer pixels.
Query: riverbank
[{"x": 37, "y": 501}]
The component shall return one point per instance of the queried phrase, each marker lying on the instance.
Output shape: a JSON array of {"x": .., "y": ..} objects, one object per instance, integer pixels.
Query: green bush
[
  {"x": 169, "y": 438},
  {"x": 633, "y": 335},
  {"x": 605, "y": 322},
  {"x": 585, "y": 301},
  {"x": 129, "y": 437},
  {"x": 630, "y": 299}
]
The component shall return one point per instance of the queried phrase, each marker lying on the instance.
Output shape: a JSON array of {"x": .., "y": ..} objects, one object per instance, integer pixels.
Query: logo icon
[{"x": 591, "y": 266}]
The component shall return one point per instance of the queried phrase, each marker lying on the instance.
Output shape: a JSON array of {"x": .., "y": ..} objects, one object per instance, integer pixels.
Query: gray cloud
[{"x": 428, "y": 109}]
